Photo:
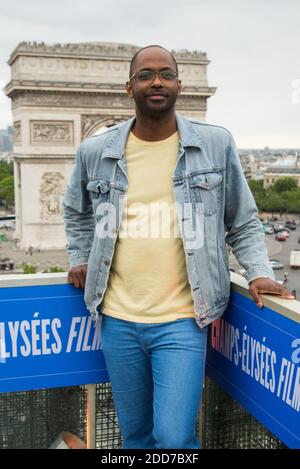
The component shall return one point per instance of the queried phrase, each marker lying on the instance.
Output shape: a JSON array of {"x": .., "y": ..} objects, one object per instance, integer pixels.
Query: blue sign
[
  {"x": 47, "y": 339},
  {"x": 254, "y": 356}
]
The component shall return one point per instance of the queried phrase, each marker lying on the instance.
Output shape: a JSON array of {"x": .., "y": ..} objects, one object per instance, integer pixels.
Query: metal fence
[
  {"x": 225, "y": 424},
  {"x": 33, "y": 419}
]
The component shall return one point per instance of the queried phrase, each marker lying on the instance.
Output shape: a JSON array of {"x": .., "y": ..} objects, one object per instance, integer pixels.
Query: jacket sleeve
[
  {"x": 78, "y": 214},
  {"x": 244, "y": 230}
]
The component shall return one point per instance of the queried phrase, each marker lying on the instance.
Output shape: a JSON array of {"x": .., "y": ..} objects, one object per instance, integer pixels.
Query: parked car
[
  {"x": 6, "y": 264},
  {"x": 290, "y": 225},
  {"x": 275, "y": 264},
  {"x": 278, "y": 228},
  {"x": 269, "y": 229},
  {"x": 280, "y": 237},
  {"x": 285, "y": 232},
  {"x": 8, "y": 225}
]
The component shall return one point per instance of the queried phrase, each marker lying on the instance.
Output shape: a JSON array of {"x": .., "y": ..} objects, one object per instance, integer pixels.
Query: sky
[{"x": 253, "y": 46}]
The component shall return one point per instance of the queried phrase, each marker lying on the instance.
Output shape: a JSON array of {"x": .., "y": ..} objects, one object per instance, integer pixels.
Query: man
[{"x": 156, "y": 294}]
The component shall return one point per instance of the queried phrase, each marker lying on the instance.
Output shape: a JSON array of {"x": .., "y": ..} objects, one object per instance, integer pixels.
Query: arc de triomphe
[{"x": 61, "y": 94}]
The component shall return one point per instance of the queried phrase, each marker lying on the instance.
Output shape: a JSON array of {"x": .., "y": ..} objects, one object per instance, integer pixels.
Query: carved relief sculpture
[
  {"x": 52, "y": 188},
  {"x": 60, "y": 132},
  {"x": 17, "y": 132}
]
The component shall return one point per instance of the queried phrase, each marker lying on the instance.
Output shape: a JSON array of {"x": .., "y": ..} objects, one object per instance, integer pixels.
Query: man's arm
[
  {"x": 245, "y": 234},
  {"x": 79, "y": 221}
]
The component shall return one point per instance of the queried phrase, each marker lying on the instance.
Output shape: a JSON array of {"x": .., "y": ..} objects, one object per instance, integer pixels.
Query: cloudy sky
[{"x": 253, "y": 45}]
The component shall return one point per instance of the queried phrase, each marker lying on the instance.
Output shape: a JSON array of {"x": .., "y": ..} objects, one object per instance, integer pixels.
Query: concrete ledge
[
  {"x": 288, "y": 308},
  {"x": 19, "y": 280}
]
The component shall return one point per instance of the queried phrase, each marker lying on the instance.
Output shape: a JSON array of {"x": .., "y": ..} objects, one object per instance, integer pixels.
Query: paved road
[
  {"x": 284, "y": 257},
  {"x": 43, "y": 259},
  {"x": 280, "y": 250}
]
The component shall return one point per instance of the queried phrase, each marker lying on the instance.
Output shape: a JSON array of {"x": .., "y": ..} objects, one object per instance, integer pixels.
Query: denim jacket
[{"x": 214, "y": 206}]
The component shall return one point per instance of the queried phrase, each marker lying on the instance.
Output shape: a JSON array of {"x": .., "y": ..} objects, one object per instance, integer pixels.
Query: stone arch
[{"x": 92, "y": 126}]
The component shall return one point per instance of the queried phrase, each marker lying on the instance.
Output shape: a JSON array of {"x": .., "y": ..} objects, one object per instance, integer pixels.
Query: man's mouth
[{"x": 157, "y": 97}]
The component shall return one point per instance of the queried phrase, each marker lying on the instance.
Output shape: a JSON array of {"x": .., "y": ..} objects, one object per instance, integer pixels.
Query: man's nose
[{"x": 157, "y": 81}]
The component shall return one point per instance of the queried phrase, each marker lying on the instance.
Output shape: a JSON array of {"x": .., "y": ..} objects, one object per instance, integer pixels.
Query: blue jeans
[{"x": 156, "y": 373}]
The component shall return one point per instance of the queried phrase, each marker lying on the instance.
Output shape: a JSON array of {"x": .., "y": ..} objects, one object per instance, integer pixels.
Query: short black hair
[{"x": 133, "y": 60}]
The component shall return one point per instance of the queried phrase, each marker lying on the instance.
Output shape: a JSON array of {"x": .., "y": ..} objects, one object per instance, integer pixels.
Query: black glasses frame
[{"x": 154, "y": 74}]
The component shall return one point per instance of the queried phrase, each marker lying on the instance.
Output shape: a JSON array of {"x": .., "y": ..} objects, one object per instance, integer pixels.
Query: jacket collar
[{"x": 188, "y": 137}]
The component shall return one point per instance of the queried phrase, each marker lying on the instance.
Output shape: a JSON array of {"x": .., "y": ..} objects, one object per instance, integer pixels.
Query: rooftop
[{"x": 282, "y": 170}]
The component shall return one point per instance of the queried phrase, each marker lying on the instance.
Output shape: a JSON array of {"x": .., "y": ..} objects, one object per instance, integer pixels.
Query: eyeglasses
[{"x": 150, "y": 75}]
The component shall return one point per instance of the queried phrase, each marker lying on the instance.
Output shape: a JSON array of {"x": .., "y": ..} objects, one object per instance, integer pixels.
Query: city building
[{"x": 288, "y": 167}]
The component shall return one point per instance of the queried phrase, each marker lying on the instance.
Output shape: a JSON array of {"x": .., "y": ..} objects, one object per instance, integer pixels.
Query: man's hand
[
  {"x": 77, "y": 275},
  {"x": 262, "y": 285}
]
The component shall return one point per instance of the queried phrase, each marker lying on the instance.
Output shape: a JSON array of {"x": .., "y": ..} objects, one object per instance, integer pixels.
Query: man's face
[{"x": 156, "y": 96}]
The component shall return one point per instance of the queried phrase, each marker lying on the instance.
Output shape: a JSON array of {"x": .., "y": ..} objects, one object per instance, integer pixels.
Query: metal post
[
  {"x": 202, "y": 411},
  {"x": 91, "y": 416}
]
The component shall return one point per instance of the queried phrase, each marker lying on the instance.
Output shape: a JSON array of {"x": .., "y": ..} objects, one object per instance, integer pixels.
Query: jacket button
[
  {"x": 99, "y": 295},
  {"x": 106, "y": 262}
]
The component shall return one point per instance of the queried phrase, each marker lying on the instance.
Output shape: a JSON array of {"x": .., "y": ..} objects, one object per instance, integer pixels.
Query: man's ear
[
  {"x": 179, "y": 86},
  {"x": 129, "y": 89}
]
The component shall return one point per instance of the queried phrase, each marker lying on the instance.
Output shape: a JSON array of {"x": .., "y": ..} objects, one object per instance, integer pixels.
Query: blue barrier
[
  {"x": 47, "y": 339},
  {"x": 254, "y": 356}
]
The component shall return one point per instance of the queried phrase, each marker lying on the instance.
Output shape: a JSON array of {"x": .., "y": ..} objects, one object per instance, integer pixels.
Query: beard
[{"x": 152, "y": 109}]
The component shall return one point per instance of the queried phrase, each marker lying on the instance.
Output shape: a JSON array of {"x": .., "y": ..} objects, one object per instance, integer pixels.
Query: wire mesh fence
[
  {"x": 34, "y": 419},
  {"x": 227, "y": 425},
  {"x": 108, "y": 434}
]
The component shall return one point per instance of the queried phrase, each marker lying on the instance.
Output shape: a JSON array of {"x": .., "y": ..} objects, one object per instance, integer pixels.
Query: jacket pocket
[
  {"x": 206, "y": 190},
  {"x": 99, "y": 189},
  {"x": 99, "y": 193}
]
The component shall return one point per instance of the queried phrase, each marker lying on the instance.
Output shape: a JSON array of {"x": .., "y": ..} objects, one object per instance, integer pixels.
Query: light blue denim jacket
[{"x": 213, "y": 202}]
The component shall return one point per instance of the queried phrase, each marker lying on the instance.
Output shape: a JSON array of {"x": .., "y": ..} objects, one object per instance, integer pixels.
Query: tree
[
  {"x": 7, "y": 190},
  {"x": 6, "y": 169},
  {"x": 284, "y": 184},
  {"x": 292, "y": 200},
  {"x": 282, "y": 196},
  {"x": 273, "y": 203},
  {"x": 258, "y": 192},
  {"x": 256, "y": 185}
]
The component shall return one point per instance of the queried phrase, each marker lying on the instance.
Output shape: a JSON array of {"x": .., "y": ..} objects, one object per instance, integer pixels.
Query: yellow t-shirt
[{"x": 148, "y": 279}]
